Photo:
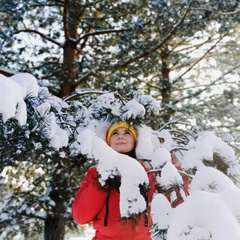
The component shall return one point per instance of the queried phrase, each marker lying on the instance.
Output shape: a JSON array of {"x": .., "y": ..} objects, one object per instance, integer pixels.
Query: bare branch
[
  {"x": 202, "y": 57},
  {"x": 42, "y": 35},
  {"x": 207, "y": 86},
  {"x": 161, "y": 43}
]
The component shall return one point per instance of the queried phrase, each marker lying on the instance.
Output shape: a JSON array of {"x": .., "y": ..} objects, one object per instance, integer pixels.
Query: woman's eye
[{"x": 128, "y": 132}]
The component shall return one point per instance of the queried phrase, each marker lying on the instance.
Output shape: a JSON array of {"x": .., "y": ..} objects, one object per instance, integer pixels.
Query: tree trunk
[
  {"x": 165, "y": 85},
  {"x": 54, "y": 225},
  {"x": 70, "y": 52},
  {"x": 54, "y": 228}
]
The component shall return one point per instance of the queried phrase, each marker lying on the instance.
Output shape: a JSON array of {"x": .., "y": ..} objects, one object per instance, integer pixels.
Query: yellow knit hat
[{"x": 120, "y": 125}]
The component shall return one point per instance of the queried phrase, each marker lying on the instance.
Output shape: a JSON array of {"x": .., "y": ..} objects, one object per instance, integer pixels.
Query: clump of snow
[
  {"x": 203, "y": 215},
  {"x": 108, "y": 106},
  {"x": 168, "y": 143},
  {"x": 28, "y": 83},
  {"x": 231, "y": 197},
  {"x": 43, "y": 109},
  {"x": 132, "y": 109},
  {"x": 144, "y": 146},
  {"x": 14, "y": 90},
  {"x": 58, "y": 137},
  {"x": 160, "y": 157},
  {"x": 105, "y": 104},
  {"x": 204, "y": 147},
  {"x": 170, "y": 176},
  {"x": 11, "y": 98},
  {"x": 150, "y": 103},
  {"x": 102, "y": 128},
  {"x": 215, "y": 181},
  {"x": 12, "y": 93},
  {"x": 161, "y": 211}
]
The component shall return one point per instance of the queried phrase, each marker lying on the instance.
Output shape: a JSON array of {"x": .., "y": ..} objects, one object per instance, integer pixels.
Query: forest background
[{"x": 183, "y": 53}]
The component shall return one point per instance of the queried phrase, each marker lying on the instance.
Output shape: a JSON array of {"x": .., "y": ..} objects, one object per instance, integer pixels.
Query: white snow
[
  {"x": 11, "y": 98},
  {"x": 145, "y": 147},
  {"x": 202, "y": 215},
  {"x": 161, "y": 211},
  {"x": 132, "y": 109},
  {"x": 28, "y": 83},
  {"x": 13, "y": 91},
  {"x": 212, "y": 211},
  {"x": 160, "y": 157}
]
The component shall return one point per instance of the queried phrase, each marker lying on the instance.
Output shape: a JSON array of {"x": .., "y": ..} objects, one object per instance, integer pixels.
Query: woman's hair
[{"x": 132, "y": 153}]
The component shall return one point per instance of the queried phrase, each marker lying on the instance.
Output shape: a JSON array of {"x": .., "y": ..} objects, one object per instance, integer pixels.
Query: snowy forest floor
[{"x": 86, "y": 235}]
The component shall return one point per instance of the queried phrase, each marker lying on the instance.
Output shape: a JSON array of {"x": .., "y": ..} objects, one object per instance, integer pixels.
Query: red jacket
[{"x": 90, "y": 205}]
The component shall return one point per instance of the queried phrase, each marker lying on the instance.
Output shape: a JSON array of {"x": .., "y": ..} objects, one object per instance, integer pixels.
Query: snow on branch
[
  {"x": 203, "y": 215},
  {"x": 19, "y": 94},
  {"x": 203, "y": 149},
  {"x": 133, "y": 107}
]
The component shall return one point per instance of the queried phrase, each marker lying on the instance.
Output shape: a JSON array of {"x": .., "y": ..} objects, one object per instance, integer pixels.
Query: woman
[{"x": 100, "y": 205}]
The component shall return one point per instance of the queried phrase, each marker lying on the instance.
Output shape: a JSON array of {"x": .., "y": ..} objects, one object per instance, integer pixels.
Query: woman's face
[{"x": 122, "y": 140}]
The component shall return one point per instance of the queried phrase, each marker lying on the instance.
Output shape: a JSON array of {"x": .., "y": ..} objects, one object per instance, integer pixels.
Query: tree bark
[
  {"x": 70, "y": 52},
  {"x": 54, "y": 225},
  {"x": 165, "y": 85},
  {"x": 54, "y": 228}
]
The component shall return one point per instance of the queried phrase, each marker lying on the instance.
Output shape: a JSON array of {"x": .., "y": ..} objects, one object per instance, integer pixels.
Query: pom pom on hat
[{"x": 120, "y": 125}]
